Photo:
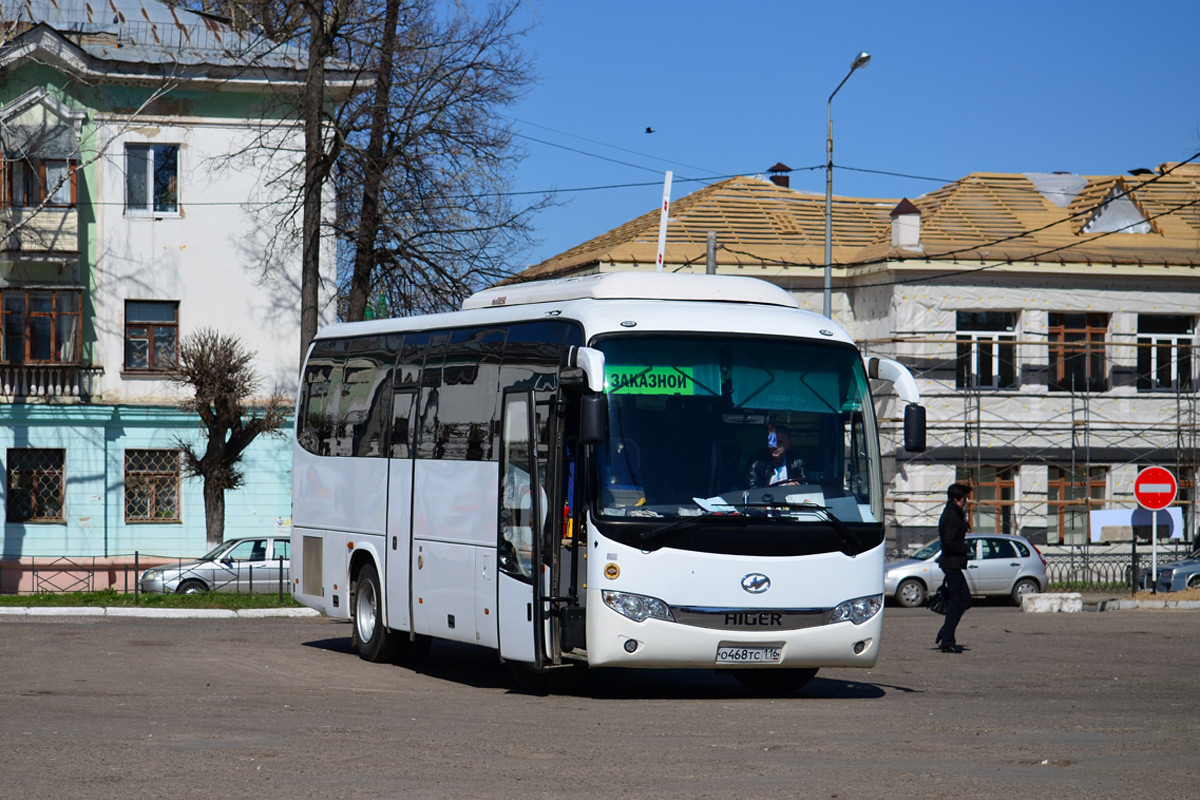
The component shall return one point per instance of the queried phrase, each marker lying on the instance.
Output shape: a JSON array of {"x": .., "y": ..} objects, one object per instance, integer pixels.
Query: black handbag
[{"x": 937, "y": 600}]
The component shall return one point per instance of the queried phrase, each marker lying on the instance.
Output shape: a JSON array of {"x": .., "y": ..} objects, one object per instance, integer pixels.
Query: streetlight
[{"x": 860, "y": 60}]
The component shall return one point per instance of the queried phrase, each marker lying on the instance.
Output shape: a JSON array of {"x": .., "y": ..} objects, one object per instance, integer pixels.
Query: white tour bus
[{"x": 580, "y": 472}]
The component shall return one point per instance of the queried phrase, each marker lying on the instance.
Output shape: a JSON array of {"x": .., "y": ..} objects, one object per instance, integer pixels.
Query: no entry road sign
[{"x": 1155, "y": 488}]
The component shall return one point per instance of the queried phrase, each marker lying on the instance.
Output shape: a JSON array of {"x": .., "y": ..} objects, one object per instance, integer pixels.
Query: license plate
[{"x": 749, "y": 655}]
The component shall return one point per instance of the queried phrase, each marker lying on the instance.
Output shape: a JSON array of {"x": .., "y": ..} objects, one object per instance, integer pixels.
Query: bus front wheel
[
  {"x": 774, "y": 682},
  {"x": 373, "y": 641}
]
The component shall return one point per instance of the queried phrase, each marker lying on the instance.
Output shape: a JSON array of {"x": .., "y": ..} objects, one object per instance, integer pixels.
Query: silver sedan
[
  {"x": 254, "y": 564},
  {"x": 998, "y": 564}
]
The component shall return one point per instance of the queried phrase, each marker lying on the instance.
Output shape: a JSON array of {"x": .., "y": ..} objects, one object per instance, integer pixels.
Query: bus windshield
[{"x": 723, "y": 424}]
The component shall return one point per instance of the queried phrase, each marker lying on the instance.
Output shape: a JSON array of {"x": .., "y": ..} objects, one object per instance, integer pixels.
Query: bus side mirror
[
  {"x": 914, "y": 428},
  {"x": 593, "y": 418}
]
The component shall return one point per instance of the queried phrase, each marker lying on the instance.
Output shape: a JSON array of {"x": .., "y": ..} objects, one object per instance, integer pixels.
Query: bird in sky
[{"x": 649, "y": 129}]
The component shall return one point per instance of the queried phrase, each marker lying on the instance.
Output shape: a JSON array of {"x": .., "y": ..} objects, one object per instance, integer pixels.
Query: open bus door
[{"x": 527, "y": 495}]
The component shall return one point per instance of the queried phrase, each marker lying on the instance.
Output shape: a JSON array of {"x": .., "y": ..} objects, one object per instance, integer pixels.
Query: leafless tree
[
  {"x": 217, "y": 371},
  {"x": 424, "y": 175},
  {"x": 421, "y": 161}
]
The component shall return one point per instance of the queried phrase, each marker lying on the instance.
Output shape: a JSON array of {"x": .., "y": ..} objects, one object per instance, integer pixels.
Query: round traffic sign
[{"x": 1155, "y": 488}]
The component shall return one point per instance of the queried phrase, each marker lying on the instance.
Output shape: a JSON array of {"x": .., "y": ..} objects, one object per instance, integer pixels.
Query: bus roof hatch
[{"x": 635, "y": 286}]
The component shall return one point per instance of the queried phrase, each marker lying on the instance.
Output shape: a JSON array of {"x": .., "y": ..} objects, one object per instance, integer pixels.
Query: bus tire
[
  {"x": 371, "y": 639},
  {"x": 774, "y": 682}
]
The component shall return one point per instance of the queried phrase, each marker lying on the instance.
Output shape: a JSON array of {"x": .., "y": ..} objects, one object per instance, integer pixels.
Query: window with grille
[
  {"x": 1077, "y": 358},
  {"x": 1164, "y": 352},
  {"x": 39, "y": 326},
  {"x": 151, "y": 335},
  {"x": 993, "y": 493},
  {"x": 152, "y": 483},
  {"x": 36, "y": 479},
  {"x": 1071, "y": 492},
  {"x": 986, "y": 349}
]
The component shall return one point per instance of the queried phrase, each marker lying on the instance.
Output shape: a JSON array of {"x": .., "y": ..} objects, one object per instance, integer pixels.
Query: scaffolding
[{"x": 1033, "y": 430}]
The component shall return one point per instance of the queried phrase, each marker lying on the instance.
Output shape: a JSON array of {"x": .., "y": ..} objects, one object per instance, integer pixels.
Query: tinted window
[
  {"x": 317, "y": 420},
  {"x": 430, "y": 443},
  {"x": 470, "y": 393},
  {"x": 533, "y": 354},
  {"x": 998, "y": 548},
  {"x": 407, "y": 379},
  {"x": 364, "y": 398}
]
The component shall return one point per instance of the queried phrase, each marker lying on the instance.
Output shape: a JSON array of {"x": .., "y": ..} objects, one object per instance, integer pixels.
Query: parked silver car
[
  {"x": 1178, "y": 575},
  {"x": 238, "y": 565},
  {"x": 998, "y": 565}
]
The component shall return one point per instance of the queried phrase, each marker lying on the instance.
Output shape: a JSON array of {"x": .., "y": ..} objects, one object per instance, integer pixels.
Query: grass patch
[
  {"x": 1083, "y": 586},
  {"x": 110, "y": 597}
]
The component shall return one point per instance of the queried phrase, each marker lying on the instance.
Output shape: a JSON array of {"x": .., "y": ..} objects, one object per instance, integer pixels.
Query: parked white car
[{"x": 999, "y": 564}]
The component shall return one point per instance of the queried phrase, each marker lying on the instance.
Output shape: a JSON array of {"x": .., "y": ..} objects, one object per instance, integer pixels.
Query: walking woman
[{"x": 953, "y": 528}]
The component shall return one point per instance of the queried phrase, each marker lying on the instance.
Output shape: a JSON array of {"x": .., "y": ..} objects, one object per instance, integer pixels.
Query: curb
[
  {"x": 155, "y": 613},
  {"x": 1125, "y": 605}
]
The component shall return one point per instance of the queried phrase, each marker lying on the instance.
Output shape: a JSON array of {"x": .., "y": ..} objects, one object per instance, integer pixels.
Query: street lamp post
[{"x": 861, "y": 60}]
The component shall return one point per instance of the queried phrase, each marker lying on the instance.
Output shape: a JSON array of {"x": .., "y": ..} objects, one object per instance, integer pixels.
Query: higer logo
[{"x": 756, "y": 583}]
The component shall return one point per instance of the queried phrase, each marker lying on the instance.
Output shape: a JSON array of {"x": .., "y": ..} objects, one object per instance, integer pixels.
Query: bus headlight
[
  {"x": 636, "y": 606},
  {"x": 858, "y": 610}
]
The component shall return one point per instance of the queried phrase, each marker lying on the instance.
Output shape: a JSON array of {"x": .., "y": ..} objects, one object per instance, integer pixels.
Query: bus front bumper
[{"x": 617, "y": 641}]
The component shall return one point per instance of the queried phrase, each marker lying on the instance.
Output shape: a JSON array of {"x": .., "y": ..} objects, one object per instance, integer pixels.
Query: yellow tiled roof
[{"x": 992, "y": 216}]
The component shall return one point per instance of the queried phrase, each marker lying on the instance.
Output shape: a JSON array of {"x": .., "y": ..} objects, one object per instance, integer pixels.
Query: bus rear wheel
[
  {"x": 373, "y": 641},
  {"x": 774, "y": 682}
]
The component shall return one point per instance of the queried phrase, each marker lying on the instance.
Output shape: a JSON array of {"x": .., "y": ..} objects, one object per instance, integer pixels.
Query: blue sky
[{"x": 953, "y": 87}]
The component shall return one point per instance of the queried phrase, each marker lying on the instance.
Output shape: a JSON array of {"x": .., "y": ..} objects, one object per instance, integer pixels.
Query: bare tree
[
  {"x": 421, "y": 162},
  {"x": 423, "y": 178},
  {"x": 216, "y": 368}
]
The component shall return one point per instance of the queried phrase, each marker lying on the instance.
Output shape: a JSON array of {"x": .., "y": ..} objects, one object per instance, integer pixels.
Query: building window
[
  {"x": 993, "y": 491},
  {"x": 152, "y": 483},
  {"x": 39, "y": 326},
  {"x": 1071, "y": 491},
  {"x": 152, "y": 178},
  {"x": 36, "y": 481},
  {"x": 1077, "y": 358},
  {"x": 986, "y": 349},
  {"x": 33, "y": 182},
  {"x": 151, "y": 335},
  {"x": 1164, "y": 352}
]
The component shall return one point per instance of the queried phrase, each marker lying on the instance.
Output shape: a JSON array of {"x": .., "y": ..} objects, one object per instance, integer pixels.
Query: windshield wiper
[
  {"x": 655, "y": 538},
  {"x": 822, "y": 511}
]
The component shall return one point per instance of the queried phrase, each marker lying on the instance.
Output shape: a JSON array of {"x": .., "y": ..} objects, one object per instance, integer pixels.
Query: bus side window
[
  {"x": 317, "y": 421},
  {"x": 469, "y": 395},
  {"x": 406, "y": 379},
  {"x": 364, "y": 398},
  {"x": 403, "y": 403},
  {"x": 430, "y": 442}
]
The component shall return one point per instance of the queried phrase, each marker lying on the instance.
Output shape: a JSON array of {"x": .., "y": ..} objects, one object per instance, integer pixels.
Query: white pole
[
  {"x": 1154, "y": 551},
  {"x": 662, "y": 222}
]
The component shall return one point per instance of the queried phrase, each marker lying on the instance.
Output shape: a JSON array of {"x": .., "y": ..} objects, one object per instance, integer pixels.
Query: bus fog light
[
  {"x": 858, "y": 610},
  {"x": 631, "y": 645},
  {"x": 637, "y": 607}
]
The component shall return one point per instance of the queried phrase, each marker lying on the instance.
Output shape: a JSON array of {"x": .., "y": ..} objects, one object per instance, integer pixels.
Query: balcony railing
[
  {"x": 39, "y": 232},
  {"x": 48, "y": 380}
]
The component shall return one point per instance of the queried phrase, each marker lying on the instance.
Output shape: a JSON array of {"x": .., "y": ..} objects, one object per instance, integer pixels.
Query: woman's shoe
[{"x": 951, "y": 648}]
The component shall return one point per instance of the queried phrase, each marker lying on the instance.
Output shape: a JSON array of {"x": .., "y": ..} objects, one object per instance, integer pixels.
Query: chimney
[
  {"x": 906, "y": 226},
  {"x": 779, "y": 174}
]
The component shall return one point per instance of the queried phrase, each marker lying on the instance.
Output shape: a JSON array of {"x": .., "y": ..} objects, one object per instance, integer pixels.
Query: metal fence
[{"x": 66, "y": 575}]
